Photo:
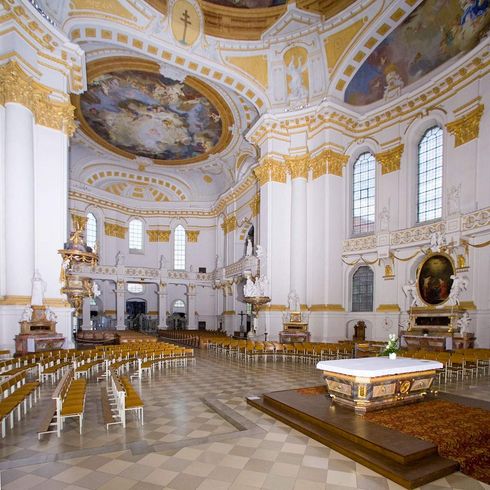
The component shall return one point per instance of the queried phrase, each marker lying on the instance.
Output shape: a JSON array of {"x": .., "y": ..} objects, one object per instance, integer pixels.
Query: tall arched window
[
  {"x": 179, "y": 248},
  {"x": 91, "y": 230},
  {"x": 429, "y": 183},
  {"x": 363, "y": 194},
  {"x": 135, "y": 234},
  {"x": 362, "y": 289}
]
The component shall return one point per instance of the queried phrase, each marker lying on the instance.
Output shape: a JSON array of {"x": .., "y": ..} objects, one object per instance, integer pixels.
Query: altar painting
[
  {"x": 434, "y": 278},
  {"x": 435, "y": 32},
  {"x": 148, "y": 115}
]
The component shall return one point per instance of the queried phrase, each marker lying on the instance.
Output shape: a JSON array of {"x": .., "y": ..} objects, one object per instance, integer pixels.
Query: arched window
[
  {"x": 91, "y": 230},
  {"x": 136, "y": 234},
  {"x": 179, "y": 248},
  {"x": 135, "y": 288},
  {"x": 362, "y": 289},
  {"x": 179, "y": 304},
  {"x": 429, "y": 182},
  {"x": 363, "y": 194}
]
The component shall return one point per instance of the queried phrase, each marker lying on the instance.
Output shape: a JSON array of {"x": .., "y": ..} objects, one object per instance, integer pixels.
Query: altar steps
[{"x": 406, "y": 460}]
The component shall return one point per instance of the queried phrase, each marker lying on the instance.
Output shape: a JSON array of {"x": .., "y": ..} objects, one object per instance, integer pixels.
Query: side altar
[
  {"x": 37, "y": 324},
  {"x": 294, "y": 322}
]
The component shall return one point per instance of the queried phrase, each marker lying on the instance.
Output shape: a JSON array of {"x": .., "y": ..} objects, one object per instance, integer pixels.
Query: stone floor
[{"x": 198, "y": 433}]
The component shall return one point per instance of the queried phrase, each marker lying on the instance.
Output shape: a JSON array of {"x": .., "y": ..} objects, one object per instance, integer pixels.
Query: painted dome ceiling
[
  {"x": 143, "y": 114},
  {"x": 434, "y": 33},
  {"x": 254, "y": 4}
]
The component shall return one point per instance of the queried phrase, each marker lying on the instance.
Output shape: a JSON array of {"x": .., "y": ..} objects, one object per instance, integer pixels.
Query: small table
[{"x": 374, "y": 383}]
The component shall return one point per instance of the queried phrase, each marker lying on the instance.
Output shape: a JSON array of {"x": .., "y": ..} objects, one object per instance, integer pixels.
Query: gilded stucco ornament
[
  {"x": 390, "y": 159},
  {"x": 254, "y": 204},
  {"x": 115, "y": 230},
  {"x": 192, "y": 235},
  {"x": 467, "y": 127},
  {"x": 298, "y": 166},
  {"x": 229, "y": 224},
  {"x": 17, "y": 86},
  {"x": 158, "y": 235}
]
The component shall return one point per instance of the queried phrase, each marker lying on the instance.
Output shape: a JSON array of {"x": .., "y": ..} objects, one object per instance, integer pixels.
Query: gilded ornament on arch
[
  {"x": 467, "y": 127},
  {"x": 115, "y": 230},
  {"x": 390, "y": 159},
  {"x": 158, "y": 235},
  {"x": 192, "y": 235}
]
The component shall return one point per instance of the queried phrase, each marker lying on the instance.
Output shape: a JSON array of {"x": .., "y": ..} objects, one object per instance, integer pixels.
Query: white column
[
  {"x": 86, "y": 314},
  {"x": 162, "y": 305},
  {"x": 298, "y": 237},
  {"x": 191, "y": 307},
  {"x": 120, "y": 304},
  {"x": 19, "y": 200}
]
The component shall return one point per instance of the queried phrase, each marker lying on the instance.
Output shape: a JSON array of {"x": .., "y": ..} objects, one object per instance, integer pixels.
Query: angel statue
[
  {"x": 459, "y": 285},
  {"x": 464, "y": 322},
  {"x": 26, "y": 314},
  {"x": 410, "y": 290},
  {"x": 295, "y": 70}
]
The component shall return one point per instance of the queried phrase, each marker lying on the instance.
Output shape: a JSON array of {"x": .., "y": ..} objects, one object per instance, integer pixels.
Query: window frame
[
  {"x": 136, "y": 250},
  {"x": 356, "y": 271},
  {"x": 176, "y": 253},
  {"x": 353, "y": 232},
  {"x": 424, "y": 135}
]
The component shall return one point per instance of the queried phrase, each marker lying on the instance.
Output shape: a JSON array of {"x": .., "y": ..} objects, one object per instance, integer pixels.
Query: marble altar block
[{"x": 374, "y": 383}]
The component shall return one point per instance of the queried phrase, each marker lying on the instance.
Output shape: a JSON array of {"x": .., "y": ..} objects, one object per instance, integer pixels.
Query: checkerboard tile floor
[{"x": 199, "y": 433}]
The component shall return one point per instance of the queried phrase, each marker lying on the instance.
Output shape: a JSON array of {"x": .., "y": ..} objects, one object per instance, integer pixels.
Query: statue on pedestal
[
  {"x": 38, "y": 289},
  {"x": 26, "y": 314},
  {"x": 293, "y": 301}
]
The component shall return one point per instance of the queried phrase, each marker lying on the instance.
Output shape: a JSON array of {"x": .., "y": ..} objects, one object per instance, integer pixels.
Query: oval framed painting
[{"x": 434, "y": 278}]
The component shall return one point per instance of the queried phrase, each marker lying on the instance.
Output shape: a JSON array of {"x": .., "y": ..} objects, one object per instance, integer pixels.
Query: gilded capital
[
  {"x": 298, "y": 166},
  {"x": 229, "y": 224},
  {"x": 390, "y": 159},
  {"x": 262, "y": 173},
  {"x": 192, "y": 235},
  {"x": 158, "y": 235},
  {"x": 115, "y": 230},
  {"x": 79, "y": 221},
  {"x": 318, "y": 166},
  {"x": 335, "y": 162},
  {"x": 17, "y": 86},
  {"x": 467, "y": 127}
]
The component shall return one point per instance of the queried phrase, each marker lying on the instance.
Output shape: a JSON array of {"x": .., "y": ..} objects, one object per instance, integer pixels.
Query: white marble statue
[
  {"x": 295, "y": 70},
  {"x": 464, "y": 322},
  {"x": 119, "y": 258},
  {"x": 38, "y": 289},
  {"x": 248, "y": 251},
  {"x": 453, "y": 200},
  {"x": 293, "y": 301},
  {"x": 384, "y": 219},
  {"x": 410, "y": 291},
  {"x": 250, "y": 289},
  {"x": 163, "y": 262},
  {"x": 26, "y": 314},
  {"x": 437, "y": 241},
  {"x": 96, "y": 290},
  {"x": 51, "y": 315},
  {"x": 262, "y": 285},
  {"x": 459, "y": 285}
]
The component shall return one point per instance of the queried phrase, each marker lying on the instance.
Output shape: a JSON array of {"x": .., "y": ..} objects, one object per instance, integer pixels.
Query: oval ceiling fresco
[
  {"x": 435, "y": 32},
  {"x": 145, "y": 114},
  {"x": 250, "y": 4}
]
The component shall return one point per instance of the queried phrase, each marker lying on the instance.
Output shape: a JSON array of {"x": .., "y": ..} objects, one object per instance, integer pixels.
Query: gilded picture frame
[{"x": 434, "y": 278}]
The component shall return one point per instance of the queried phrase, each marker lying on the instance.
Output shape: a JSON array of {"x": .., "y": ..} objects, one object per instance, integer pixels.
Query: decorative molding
[
  {"x": 388, "y": 307},
  {"x": 468, "y": 305},
  {"x": 192, "y": 235},
  {"x": 24, "y": 300},
  {"x": 361, "y": 243},
  {"x": 115, "y": 230},
  {"x": 477, "y": 219},
  {"x": 229, "y": 224},
  {"x": 390, "y": 159},
  {"x": 416, "y": 234},
  {"x": 254, "y": 204},
  {"x": 467, "y": 127},
  {"x": 328, "y": 307},
  {"x": 17, "y": 86},
  {"x": 274, "y": 308},
  {"x": 229, "y": 312},
  {"x": 270, "y": 170},
  {"x": 298, "y": 166},
  {"x": 158, "y": 235}
]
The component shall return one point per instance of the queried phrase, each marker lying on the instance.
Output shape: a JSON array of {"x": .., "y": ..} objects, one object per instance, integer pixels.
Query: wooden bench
[
  {"x": 109, "y": 414},
  {"x": 16, "y": 393},
  {"x": 48, "y": 421}
]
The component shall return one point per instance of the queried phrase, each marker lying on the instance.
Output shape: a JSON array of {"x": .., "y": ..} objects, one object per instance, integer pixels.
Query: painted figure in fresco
[{"x": 473, "y": 9}]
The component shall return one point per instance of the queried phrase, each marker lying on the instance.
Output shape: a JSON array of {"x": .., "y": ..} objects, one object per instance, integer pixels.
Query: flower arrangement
[{"x": 392, "y": 347}]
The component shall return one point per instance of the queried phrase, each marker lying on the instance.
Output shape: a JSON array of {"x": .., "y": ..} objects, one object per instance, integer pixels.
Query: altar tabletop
[{"x": 370, "y": 367}]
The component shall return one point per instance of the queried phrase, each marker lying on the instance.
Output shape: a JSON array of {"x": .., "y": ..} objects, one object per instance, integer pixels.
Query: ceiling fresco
[
  {"x": 250, "y": 4},
  {"x": 145, "y": 114},
  {"x": 435, "y": 32}
]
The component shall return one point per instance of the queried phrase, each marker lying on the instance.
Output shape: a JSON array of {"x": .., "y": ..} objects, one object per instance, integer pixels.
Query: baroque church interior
[{"x": 201, "y": 200}]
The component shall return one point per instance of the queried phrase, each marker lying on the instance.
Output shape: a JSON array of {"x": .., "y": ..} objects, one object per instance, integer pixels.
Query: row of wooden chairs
[
  {"x": 307, "y": 352},
  {"x": 16, "y": 395},
  {"x": 192, "y": 338}
]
